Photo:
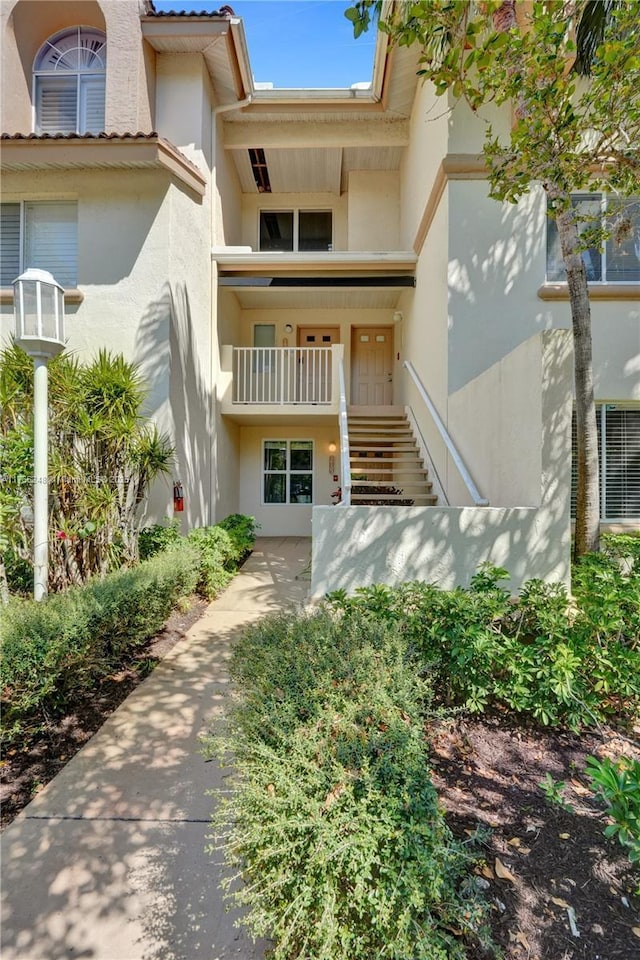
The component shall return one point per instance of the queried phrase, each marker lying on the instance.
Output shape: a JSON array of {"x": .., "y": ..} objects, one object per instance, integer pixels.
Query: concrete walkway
[{"x": 108, "y": 862}]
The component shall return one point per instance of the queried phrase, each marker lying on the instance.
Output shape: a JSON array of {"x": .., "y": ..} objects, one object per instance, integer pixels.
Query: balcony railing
[{"x": 282, "y": 375}]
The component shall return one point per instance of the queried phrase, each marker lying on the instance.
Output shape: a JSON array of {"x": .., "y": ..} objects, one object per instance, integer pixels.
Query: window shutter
[
  {"x": 92, "y": 92},
  {"x": 622, "y": 485},
  {"x": 9, "y": 243},
  {"x": 56, "y": 104},
  {"x": 52, "y": 240},
  {"x": 574, "y": 456}
]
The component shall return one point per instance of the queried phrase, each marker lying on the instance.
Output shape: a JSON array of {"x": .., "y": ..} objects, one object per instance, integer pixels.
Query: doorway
[{"x": 372, "y": 366}]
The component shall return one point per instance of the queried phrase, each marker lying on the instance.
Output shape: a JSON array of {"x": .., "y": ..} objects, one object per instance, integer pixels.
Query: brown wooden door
[
  {"x": 372, "y": 366},
  {"x": 318, "y": 336},
  {"x": 313, "y": 366}
]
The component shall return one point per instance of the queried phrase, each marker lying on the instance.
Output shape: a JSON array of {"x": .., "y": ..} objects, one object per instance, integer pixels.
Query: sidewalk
[{"x": 108, "y": 861}]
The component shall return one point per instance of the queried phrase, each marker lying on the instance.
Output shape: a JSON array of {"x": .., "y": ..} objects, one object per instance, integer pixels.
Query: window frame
[
  {"x": 604, "y": 199},
  {"x": 296, "y": 211},
  {"x": 602, "y": 408},
  {"x": 38, "y": 75},
  {"x": 287, "y": 472},
  {"x": 23, "y": 234}
]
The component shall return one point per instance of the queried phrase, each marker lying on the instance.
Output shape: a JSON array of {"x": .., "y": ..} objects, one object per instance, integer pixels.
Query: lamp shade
[{"x": 38, "y": 302}]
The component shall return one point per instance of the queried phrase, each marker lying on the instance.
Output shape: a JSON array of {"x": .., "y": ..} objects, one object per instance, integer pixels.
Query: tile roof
[
  {"x": 79, "y": 136},
  {"x": 225, "y": 11}
]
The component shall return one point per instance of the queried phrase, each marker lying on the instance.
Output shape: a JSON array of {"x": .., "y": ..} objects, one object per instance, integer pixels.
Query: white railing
[
  {"x": 460, "y": 465},
  {"x": 345, "y": 464},
  {"x": 282, "y": 375}
]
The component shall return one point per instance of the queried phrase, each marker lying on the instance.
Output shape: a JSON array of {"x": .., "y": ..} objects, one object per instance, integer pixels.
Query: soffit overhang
[
  {"x": 344, "y": 280},
  {"x": 108, "y": 151},
  {"x": 219, "y": 38}
]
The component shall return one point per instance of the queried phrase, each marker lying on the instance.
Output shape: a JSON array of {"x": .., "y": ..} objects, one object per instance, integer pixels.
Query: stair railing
[
  {"x": 345, "y": 463},
  {"x": 460, "y": 465}
]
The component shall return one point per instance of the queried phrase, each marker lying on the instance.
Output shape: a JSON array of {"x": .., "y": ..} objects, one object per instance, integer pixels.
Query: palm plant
[{"x": 103, "y": 458}]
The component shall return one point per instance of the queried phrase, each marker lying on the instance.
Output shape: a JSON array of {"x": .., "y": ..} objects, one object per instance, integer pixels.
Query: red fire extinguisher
[{"x": 178, "y": 497}]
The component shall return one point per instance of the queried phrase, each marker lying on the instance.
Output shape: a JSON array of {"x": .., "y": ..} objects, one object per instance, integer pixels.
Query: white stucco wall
[
  {"x": 497, "y": 263},
  {"x": 511, "y": 424},
  {"x": 145, "y": 274},
  {"x": 445, "y": 545},
  {"x": 424, "y": 335},
  {"x": 285, "y": 520},
  {"x": 373, "y": 210},
  {"x": 441, "y": 545},
  {"x": 428, "y": 145}
]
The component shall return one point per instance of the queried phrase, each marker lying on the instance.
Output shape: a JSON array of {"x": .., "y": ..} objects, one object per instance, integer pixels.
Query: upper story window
[
  {"x": 296, "y": 230},
  {"x": 619, "y": 260},
  {"x": 69, "y": 82}
]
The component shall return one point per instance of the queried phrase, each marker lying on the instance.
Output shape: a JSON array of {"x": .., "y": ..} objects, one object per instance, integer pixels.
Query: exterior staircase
[{"x": 386, "y": 466}]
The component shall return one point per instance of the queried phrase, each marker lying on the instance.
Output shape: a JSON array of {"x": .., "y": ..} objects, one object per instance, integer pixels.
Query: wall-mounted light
[
  {"x": 332, "y": 457},
  {"x": 398, "y": 316},
  {"x": 288, "y": 328}
]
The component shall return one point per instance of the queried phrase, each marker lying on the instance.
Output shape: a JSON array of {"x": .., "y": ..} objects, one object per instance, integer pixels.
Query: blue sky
[{"x": 298, "y": 43}]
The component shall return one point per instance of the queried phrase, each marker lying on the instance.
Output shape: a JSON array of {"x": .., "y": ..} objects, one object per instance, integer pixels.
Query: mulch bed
[
  {"x": 488, "y": 774},
  {"x": 24, "y": 772},
  {"x": 556, "y": 860}
]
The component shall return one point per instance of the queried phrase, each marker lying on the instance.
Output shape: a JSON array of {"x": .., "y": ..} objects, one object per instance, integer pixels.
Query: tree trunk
[{"x": 587, "y": 531}]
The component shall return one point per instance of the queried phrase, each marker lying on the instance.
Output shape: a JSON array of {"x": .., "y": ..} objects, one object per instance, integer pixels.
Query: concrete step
[
  {"x": 366, "y": 426},
  {"x": 376, "y": 411},
  {"x": 372, "y": 462},
  {"x": 397, "y": 448},
  {"x": 420, "y": 499},
  {"x": 422, "y": 485},
  {"x": 392, "y": 471}
]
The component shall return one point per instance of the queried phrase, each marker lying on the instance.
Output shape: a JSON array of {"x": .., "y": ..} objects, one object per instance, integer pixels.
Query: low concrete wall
[{"x": 357, "y": 546}]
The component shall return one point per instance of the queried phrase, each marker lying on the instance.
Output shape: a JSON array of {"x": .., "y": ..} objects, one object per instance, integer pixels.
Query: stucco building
[{"x": 318, "y": 289}]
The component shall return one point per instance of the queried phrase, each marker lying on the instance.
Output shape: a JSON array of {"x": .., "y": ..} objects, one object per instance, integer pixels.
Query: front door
[
  {"x": 314, "y": 375},
  {"x": 372, "y": 366}
]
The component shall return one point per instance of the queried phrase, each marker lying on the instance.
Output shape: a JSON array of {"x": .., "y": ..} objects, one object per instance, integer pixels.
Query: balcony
[{"x": 263, "y": 384}]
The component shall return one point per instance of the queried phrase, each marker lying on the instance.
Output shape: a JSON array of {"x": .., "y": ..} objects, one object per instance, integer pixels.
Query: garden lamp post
[{"x": 38, "y": 303}]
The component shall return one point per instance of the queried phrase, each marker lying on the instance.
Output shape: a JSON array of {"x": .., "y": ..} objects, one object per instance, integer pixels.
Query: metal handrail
[
  {"x": 467, "y": 479},
  {"x": 345, "y": 465}
]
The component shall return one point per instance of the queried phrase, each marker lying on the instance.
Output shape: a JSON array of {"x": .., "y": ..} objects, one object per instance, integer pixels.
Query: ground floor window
[
  {"x": 39, "y": 234},
  {"x": 619, "y": 452},
  {"x": 287, "y": 471}
]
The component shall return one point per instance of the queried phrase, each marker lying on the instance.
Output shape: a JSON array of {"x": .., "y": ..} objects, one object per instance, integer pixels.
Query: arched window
[{"x": 69, "y": 80}]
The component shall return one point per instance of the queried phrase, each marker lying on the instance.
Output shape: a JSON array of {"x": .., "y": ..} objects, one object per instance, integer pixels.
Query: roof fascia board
[
  {"x": 86, "y": 154},
  {"x": 341, "y": 260},
  {"x": 243, "y": 135},
  {"x": 181, "y": 27},
  {"x": 241, "y": 55}
]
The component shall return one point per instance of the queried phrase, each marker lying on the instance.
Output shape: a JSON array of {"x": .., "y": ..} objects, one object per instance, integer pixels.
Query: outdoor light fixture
[
  {"x": 288, "y": 328},
  {"x": 39, "y": 310},
  {"x": 332, "y": 457},
  {"x": 38, "y": 303}
]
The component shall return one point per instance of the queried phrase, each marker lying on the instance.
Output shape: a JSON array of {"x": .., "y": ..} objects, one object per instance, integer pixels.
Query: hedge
[{"x": 53, "y": 651}]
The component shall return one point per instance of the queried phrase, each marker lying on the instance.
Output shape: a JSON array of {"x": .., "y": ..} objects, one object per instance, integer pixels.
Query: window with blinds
[
  {"x": 42, "y": 235},
  {"x": 619, "y": 455},
  {"x": 10, "y": 259},
  {"x": 69, "y": 73}
]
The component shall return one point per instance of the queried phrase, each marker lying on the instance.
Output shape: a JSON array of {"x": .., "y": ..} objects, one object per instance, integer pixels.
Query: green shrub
[
  {"x": 536, "y": 656},
  {"x": 53, "y": 650},
  {"x": 334, "y": 826},
  {"x": 618, "y": 783},
  {"x": 242, "y": 530},
  {"x": 158, "y": 537}
]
